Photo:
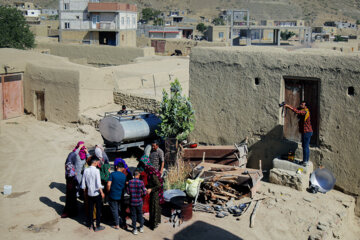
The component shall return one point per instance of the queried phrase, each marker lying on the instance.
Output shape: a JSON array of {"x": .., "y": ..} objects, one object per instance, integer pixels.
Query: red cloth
[
  {"x": 146, "y": 198},
  {"x": 304, "y": 123}
]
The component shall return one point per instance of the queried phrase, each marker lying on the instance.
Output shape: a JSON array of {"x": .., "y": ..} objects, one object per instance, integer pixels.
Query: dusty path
[{"x": 32, "y": 160}]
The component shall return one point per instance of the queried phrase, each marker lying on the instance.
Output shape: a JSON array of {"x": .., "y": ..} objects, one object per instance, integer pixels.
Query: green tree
[
  {"x": 150, "y": 14},
  {"x": 338, "y": 38},
  {"x": 358, "y": 22},
  {"x": 176, "y": 114},
  {"x": 14, "y": 31},
  {"x": 201, "y": 27},
  {"x": 158, "y": 22},
  {"x": 285, "y": 35},
  {"x": 218, "y": 21}
]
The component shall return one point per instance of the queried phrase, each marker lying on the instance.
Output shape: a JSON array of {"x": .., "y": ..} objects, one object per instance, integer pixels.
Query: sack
[
  {"x": 69, "y": 165},
  {"x": 192, "y": 186},
  {"x": 69, "y": 170}
]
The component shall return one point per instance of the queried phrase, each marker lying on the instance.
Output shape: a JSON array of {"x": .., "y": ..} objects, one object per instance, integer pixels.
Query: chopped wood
[
  {"x": 217, "y": 169},
  {"x": 228, "y": 194}
]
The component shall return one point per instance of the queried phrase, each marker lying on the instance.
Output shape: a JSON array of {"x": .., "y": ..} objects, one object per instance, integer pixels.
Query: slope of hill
[{"x": 315, "y": 11}]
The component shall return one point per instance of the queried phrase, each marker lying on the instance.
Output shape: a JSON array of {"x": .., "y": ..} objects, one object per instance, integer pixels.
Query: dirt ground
[{"x": 32, "y": 161}]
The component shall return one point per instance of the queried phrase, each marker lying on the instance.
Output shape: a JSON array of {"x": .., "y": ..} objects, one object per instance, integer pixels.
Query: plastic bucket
[{"x": 7, "y": 189}]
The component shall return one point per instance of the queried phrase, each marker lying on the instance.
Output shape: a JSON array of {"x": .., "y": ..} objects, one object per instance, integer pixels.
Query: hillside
[{"x": 315, "y": 11}]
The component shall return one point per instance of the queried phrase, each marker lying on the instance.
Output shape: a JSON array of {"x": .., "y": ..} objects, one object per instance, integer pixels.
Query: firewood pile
[
  {"x": 223, "y": 183},
  {"x": 220, "y": 189}
]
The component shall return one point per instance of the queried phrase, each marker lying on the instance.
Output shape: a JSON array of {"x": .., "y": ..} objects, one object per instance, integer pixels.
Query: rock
[
  {"x": 308, "y": 199},
  {"x": 321, "y": 227},
  {"x": 336, "y": 235},
  {"x": 314, "y": 237},
  {"x": 322, "y": 223},
  {"x": 288, "y": 178},
  {"x": 291, "y": 166},
  {"x": 85, "y": 129},
  {"x": 341, "y": 215}
]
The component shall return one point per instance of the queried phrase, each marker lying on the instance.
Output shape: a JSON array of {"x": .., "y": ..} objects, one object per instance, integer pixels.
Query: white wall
[
  {"x": 165, "y": 35},
  {"x": 33, "y": 13},
  {"x": 123, "y": 20}
]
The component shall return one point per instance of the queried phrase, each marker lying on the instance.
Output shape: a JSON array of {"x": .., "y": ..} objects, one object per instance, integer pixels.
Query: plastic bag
[{"x": 192, "y": 186}]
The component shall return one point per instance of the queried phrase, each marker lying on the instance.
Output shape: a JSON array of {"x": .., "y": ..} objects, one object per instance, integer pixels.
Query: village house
[{"x": 94, "y": 22}]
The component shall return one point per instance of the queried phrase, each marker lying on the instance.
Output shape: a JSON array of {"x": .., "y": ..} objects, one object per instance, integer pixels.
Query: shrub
[{"x": 176, "y": 114}]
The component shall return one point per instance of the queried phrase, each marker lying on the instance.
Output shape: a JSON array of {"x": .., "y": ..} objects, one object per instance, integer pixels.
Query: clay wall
[
  {"x": 97, "y": 55},
  {"x": 231, "y": 104},
  {"x": 184, "y": 45},
  {"x": 61, "y": 92}
]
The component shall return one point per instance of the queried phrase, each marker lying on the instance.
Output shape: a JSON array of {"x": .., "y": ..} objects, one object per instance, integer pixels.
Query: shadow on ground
[
  {"x": 204, "y": 231},
  {"x": 60, "y": 186}
]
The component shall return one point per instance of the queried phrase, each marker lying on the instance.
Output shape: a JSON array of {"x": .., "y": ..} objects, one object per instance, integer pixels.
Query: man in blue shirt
[{"x": 115, "y": 187}]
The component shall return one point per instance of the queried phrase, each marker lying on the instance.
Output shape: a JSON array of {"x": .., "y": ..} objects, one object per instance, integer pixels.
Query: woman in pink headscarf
[{"x": 81, "y": 155}]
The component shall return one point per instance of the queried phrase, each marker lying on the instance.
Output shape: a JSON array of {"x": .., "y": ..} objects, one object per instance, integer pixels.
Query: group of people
[{"x": 90, "y": 177}]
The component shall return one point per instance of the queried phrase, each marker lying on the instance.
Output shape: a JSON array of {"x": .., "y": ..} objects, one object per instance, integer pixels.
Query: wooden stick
[
  {"x": 260, "y": 165},
  {"x": 203, "y": 159},
  {"x": 253, "y": 214}
]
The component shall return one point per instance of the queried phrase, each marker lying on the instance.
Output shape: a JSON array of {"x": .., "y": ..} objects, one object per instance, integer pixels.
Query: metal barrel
[{"x": 122, "y": 129}]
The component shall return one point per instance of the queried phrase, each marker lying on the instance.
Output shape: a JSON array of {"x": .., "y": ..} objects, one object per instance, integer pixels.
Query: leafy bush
[
  {"x": 149, "y": 14},
  {"x": 201, "y": 27},
  {"x": 285, "y": 35},
  {"x": 14, "y": 31},
  {"x": 176, "y": 114},
  {"x": 218, "y": 21}
]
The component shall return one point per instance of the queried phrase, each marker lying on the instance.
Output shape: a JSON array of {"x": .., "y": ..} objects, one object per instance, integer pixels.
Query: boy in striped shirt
[{"x": 137, "y": 190}]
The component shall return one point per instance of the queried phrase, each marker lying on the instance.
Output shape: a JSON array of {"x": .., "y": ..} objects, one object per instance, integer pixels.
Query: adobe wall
[
  {"x": 184, "y": 45},
  {"x": 96, "y": 88},
  {"x": 127, "y": 38},
  {"x": 97, "y": 55},
  {"x": 61, "y": 92},
  {"x": 230, "y": 106}
]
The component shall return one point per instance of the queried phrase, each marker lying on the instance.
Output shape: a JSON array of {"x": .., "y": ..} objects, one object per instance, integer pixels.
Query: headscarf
[
  {"x": 150, "y": 170},
  {"x": 82, "y": 152},
  {"x": 145, "y": 159},
  {"x": 118, "y": 160}
]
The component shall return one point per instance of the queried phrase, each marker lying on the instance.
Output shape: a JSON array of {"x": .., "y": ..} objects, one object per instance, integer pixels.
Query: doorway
[
  {"x": 299, "y": 89},
  {"x": 40, "y": 105},
  {"x": 107, "y": 38}
]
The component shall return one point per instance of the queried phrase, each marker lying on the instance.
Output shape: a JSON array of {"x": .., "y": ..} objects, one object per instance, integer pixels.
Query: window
[
  {"x": 67, "y": 25},
  {"x": 128, "y": 21},
  {"x": 77, "y": 17},
  {"x": 66, "y": 6},
  {"x": 122, "y": 20},
  {"x": 134, "y": 22},
  {"x": 221, "y": 34}
]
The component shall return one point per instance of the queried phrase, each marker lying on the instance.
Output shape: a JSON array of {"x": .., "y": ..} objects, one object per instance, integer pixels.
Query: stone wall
[
  {"x": 135, "y": 102},
  {"x": 235, "y": 93}
]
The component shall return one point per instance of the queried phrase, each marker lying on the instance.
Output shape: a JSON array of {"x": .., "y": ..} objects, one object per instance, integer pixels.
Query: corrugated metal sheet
[{"x": 12, "y": 95}]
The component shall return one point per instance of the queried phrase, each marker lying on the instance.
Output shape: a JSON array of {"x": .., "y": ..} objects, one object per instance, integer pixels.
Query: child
[{"x": 137, "y": 190}]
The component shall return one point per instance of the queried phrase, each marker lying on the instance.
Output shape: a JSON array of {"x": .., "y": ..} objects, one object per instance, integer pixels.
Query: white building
[
  {"x": 49, "y": 12},
  {"x": 98, "y": 23}
]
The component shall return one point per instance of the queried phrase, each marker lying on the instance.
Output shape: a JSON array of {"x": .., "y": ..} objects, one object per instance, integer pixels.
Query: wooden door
[
  {"x": 40, "y": 106},
  {"x": 297, "y": 90},
  {"x": 293, "y": 96},
  {"x": 12, "y": 92},
  {"x": 159, "y": 45}
]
